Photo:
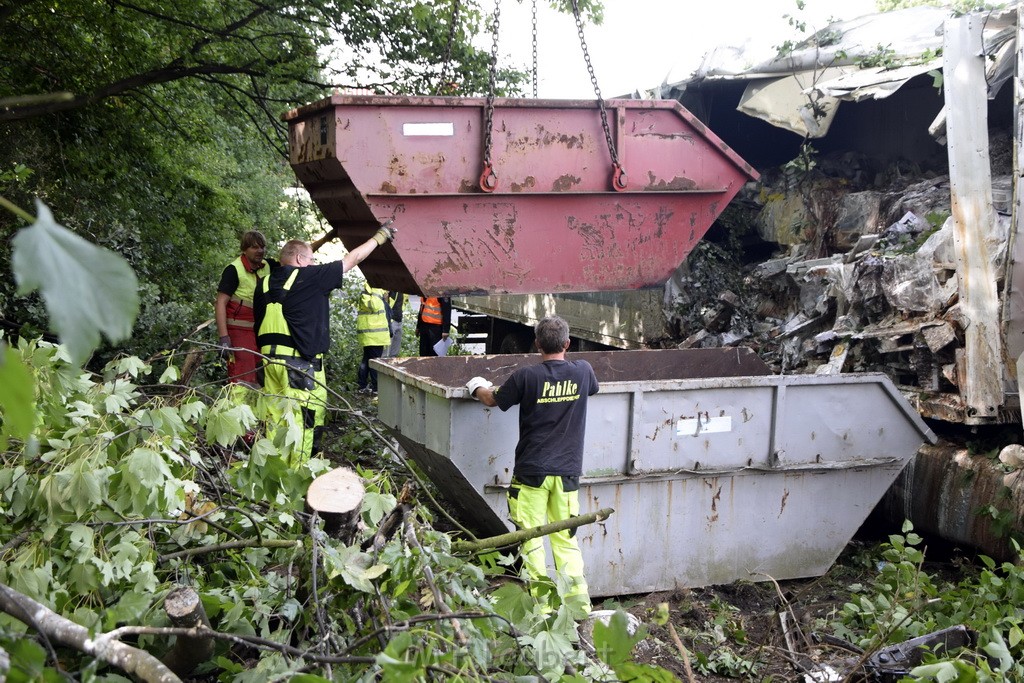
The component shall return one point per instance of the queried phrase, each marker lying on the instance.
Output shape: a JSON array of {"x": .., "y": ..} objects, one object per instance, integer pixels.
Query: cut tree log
[
  {"x": 337, "y": 497},
  {"x": 185, "y": 610}
]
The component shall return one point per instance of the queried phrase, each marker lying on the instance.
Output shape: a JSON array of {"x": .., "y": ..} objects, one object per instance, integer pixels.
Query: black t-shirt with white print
[{"x": 552, "y": 400}]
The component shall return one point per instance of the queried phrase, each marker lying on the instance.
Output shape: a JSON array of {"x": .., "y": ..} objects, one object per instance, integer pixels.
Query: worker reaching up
[
  {"x": 433, "y": 323},
  {"x": 233, "y": 307},
  {"x": 292, "y": 311},
  {"x": 552, "y": 399}
]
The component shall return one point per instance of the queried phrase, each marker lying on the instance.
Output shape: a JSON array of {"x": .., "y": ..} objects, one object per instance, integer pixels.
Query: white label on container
[
  {"x": 702, "y": 424},
  {"x": 416, "y": 129}
]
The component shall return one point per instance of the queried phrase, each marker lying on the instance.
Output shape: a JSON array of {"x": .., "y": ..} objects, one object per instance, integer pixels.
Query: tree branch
[
  {"x": 14, "y": 112},
  {"x": 230, "y": 545},
  {"x": 521, "y": 535},
  {"x": 66, "y": 632}
]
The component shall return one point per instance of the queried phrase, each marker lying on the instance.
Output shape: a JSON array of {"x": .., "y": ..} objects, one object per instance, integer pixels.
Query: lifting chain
[
  {"x": 534, "y": 49},
  {"x": 618, "y": 173},
  {"x": 454, "y": 23},
  {"x": 489, "y": 181}
]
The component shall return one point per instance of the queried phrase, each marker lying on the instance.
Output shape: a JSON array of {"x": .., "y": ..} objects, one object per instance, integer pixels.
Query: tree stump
[
  {"x": 337, "y": 496},
  {"x": 185, "y": 610}
]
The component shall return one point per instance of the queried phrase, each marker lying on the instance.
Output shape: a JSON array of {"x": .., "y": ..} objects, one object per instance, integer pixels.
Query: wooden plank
[{"x": 971, "y": 201}]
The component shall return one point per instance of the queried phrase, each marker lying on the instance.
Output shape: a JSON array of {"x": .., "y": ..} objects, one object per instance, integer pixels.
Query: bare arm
[
  {"x": 220, "y": 313},
  {"x": 357, "y": 255},
  {"x": 486, "y": 396}
]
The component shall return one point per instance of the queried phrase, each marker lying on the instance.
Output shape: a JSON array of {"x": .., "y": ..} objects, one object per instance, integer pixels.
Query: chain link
[
  {"x": 534, "y": 49},
  {"x": 488, "y": 180},
  {"x": 454, "y": 22},
  {"x": 619, "y": 177}
]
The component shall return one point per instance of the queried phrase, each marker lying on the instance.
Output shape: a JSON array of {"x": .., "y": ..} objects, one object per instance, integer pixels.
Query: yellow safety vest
[
  {"x": 275, "y": 337},
  {"x": 247, "y": 281},
  {"x": 372, "y": 322}
]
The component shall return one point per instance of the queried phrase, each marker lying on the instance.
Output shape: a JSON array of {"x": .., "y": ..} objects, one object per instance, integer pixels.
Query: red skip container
[{"x": 552, "y": 222}]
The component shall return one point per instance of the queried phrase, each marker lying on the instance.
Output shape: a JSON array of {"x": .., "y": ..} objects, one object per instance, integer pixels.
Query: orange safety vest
[{"x": 430, "y": 311}]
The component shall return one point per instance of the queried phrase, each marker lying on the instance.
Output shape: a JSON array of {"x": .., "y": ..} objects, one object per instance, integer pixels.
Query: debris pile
[{"x": 867, "y": 279}]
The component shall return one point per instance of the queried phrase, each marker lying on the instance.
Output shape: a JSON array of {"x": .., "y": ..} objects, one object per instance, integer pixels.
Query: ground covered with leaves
[{"x": 122, "y": 487}]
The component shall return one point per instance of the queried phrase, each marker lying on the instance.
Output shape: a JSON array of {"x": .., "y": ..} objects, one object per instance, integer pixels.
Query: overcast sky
[{"x": 645, "y": 42}]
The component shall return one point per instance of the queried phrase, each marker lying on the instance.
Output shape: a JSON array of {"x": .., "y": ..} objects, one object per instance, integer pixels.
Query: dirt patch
[{"x": 735, "y": 632}]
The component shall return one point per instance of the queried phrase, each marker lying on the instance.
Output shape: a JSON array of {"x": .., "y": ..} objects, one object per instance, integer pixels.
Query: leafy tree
[{"x": 153, "y": 128}]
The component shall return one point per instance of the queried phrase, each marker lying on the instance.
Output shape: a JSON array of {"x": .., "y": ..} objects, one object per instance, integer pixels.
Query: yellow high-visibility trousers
[
  {"x": 530, "y": 507},
  {"x": 284, "y": 390}
]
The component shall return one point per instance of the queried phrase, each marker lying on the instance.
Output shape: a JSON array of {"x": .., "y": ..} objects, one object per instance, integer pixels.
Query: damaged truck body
[{"x": 878, "y": 176}]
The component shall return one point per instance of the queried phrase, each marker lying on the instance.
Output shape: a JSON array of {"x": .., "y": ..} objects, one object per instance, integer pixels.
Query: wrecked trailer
[
  {"x": 903, "y": 242},
  {"x": 718, "y": 470},
  {"x": 877, "y": 163}
]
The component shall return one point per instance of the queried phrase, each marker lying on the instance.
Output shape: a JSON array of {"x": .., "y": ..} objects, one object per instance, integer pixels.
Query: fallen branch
[
  {"x": 428, "y": 575},
  {"x": 392, "y": 521},
  {"x": 682, "y": 651},
  {"x": 230, "y": 545},
  {"x": 66, "y": 632},
  {"x": 515, "y": 537}
]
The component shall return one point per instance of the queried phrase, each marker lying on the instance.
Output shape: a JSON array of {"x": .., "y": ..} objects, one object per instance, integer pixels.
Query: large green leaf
[
  {"x": 88, "y": 290},
  {"x": 17, "y": 395}
]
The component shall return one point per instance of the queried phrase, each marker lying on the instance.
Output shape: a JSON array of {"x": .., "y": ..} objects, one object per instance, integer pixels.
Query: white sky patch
[{"x": 643, "y": 43}]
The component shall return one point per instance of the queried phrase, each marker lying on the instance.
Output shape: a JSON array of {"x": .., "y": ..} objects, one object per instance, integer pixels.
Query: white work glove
[{"x": 477, "y": 383}]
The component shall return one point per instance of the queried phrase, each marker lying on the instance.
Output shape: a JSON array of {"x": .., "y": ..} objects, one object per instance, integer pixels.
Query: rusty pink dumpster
[{"x": 550, "y": 223}]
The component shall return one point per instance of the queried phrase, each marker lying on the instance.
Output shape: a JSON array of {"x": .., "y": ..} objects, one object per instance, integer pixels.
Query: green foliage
[
  {"x": 49, "y": 257},
  {"x": 958, "y": 7},
  {"x": 904, "y": 602},
  {"x": 804, "y": 162},
  {"x": 111, "y": 492},
  {"x": 16, "y": 397}
]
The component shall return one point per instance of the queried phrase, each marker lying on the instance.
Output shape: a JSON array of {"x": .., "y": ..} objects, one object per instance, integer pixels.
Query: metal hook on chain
[
  {"x": 488, "y": 180},
  {"x": 619, "y": 177}
]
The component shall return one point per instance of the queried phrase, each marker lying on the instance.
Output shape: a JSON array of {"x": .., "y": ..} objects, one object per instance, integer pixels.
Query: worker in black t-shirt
[
  {"x": 292, "y": 309},
  {"x": 233, "y": 306},
  {"x": 552, "y": 400}
]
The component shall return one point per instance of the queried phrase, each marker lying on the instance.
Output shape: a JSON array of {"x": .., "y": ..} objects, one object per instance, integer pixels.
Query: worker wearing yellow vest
[
  {"x": 233, "y": 307},
  {"x": 373, "y": 331},
  {"x": 292, "y": 310},
  {"x": 433, "y": 323}
]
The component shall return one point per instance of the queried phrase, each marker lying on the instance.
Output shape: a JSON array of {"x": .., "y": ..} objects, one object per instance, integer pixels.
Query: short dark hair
[
  {"x": 253, "y": 238},
  {"x": 552, "y": 334}
]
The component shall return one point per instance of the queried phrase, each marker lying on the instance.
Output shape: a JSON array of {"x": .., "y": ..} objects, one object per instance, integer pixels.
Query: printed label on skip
[{"x": 702, "y": 424}]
